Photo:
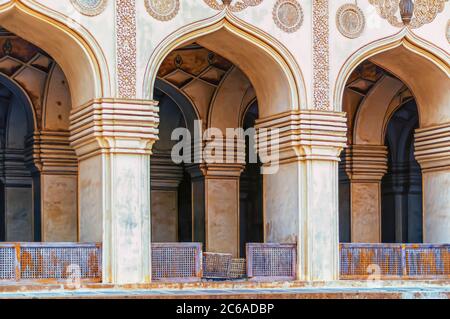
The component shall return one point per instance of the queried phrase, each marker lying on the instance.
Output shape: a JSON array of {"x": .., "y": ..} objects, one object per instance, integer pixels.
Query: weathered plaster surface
[
  {"x": 365, "y": 208},
  {"x": 436, "y": 186},
  {"x": 164, "y": 216},
  {"x": 59, "y": 208}
]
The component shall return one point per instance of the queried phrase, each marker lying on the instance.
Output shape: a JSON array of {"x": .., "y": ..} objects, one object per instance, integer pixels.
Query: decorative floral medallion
[
  {"x": 350, "y": 20},
  {"x": 288, "y": 15},
  {"x": 90, "y": 7},
  {"x": 163, "y": 10}
]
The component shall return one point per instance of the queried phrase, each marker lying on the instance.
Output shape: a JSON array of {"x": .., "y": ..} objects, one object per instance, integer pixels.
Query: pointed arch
[
  {"x": 73, "y": 48},
  {"x": 423, "y": 67},
  {"x": 273, "y": 71}
]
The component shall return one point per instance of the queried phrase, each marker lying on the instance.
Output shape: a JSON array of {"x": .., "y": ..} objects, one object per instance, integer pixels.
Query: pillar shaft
[
  {"x": 301, "y": 197},
  {"x": 216, "y": 212},
  {"x": 365, "y": 165},
  {"x": 113, "y": 141},
  {"x": 432, "y": 151}
]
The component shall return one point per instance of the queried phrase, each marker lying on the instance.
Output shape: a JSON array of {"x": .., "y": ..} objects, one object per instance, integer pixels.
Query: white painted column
[
  {"x": 365, "y": 167},
  {"x": 113, "y": 141},
  {"x": 432, "y": 151},
  {"x": 301, "y": 199}
]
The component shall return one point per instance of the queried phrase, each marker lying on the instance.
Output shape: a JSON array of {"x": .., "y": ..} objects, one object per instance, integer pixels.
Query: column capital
[
  {"x": 365, "y": 163},
  {"x": 222, "y": 171},
  {"x": 304, "y": 135},
  {"x": 432, "y": 147},
  {"x": 110, "y": 125},
  {"x": 51, "y": 153},
  {"x": 165, "y": 174}
]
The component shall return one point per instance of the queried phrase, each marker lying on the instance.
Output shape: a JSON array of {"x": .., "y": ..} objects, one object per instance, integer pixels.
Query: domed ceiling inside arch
[
  {"x": 197, "y": 72},
  {"x": 33, "y": 69},
  {"x": 361, "y": 83}
]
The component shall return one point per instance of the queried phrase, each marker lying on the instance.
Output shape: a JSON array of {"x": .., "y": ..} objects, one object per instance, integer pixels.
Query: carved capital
[
  {"x": 216, "y": 171},
  {"x": 51, "y": 153},
  {"x": 303, "y": 135},
  {"x": 365, "y": 163},
  {"x": 165, "y": 174},
  {"x": 114, "y": 126},
  {"x": 432, "y": 147}
]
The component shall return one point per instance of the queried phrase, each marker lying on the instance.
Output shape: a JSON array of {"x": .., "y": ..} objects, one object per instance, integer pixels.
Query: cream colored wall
[
  {"x": 90, "y": 189},
  {"x": 151, "y": 32}
]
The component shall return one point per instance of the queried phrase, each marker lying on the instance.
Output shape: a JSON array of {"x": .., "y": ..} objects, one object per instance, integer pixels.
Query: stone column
[
  {"x": 215, "y": 194},
  {"x": 301, "y": 198},
  {"x": 432, "y": 151},
  {"x": 166, "y": 178},
  {"x": 55, "y": 185},
  {"x": 113, "y": 139},
  {"x": 365, "y": 166}
]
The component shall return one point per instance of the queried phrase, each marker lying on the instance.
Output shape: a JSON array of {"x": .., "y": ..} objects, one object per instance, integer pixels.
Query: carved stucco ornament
[
  {"x": 350, "y": 20},
  {"x": 447, "y": 31},
  {"x": 288, "y": 15},
  {"x": 90, "y": 7},
  {"x": 398, "y": 12},
  {"x": 163, "y": 10},
  {"x": 233, "y": 5}
]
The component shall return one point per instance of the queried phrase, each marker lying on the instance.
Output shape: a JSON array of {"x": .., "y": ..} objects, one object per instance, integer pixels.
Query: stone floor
[{"x": 355, "y": 290}]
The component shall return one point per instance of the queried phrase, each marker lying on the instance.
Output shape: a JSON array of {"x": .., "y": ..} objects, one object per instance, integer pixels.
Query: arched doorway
[
  {"x": 38, "y": 166},
  {"x": 215, "y": 202},
  {"x": 382, "y": 94},
  {"x": 39, "y": 49}
]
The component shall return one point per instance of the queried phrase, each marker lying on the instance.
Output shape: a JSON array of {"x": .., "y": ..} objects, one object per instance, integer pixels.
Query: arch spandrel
[
  {"x": 269, "y": 66},
  {"x": 423, "y": 67},
  {"x": 77, "y": 54}
]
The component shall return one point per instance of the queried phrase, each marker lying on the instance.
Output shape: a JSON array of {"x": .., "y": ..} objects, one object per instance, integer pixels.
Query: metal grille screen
[
  {"x": 7, "y": 263},
  {"x": 176, "y": 261},
  {"x": 216, "y": 265},
  {"x": 60, "y": 262},
  {"x": 271, "y": 261},
  {"x": 237, "y": 268},
  {"x": 401, "y": 261},
  {"x": 426, "y": 261},
  {"x": 364, "y": 260}
]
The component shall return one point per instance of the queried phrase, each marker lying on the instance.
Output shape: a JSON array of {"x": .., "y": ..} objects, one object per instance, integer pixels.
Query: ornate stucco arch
[
  {"x": 76, "y": 51},
  {"x": 257, "y": 54},
  {"x": 432, "y": 99}
]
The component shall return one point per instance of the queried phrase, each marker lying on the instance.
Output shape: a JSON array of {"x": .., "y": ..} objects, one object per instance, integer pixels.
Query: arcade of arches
[{"x": 79, "y": 163}]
